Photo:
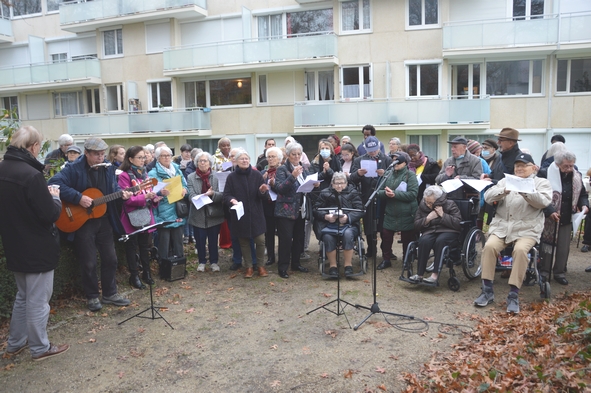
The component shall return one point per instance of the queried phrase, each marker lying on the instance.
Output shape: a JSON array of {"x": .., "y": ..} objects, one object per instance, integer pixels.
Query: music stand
[
  {"x": 372, "y": 204},
  {"x": 125, "y": 238}
]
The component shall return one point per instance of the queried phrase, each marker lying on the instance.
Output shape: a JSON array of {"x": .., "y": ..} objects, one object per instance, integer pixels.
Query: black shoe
[
  {"x": 588, "y": 270},
  {"x": 270, "y": 262},
  {"x": 283, "y": 274},
  {"x": 147, "y": 277},
  {"x": 235, "y": 266},
  {"x": 333, "y": 272},
  {"x": 134, "y": 281},
  {"x": 561, "y": 280},
  {"x": 384, "y": 265},
  {"x": 394, "y": 257},
  {"x": 300, "y": 269},
  {"x": 348, "y": 271}
]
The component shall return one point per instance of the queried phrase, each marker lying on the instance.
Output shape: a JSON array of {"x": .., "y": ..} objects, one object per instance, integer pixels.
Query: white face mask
[
  {"x": 485, "y": 153},
  {"x": 325, "y": 153}
]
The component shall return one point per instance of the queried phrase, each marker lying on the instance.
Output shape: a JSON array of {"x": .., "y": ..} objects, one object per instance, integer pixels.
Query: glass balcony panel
[
  {"x": 22, "y": 75},
  {"x": 575, "y": 28},
  {"x": 49, "y": 72},
  {"x": 231, "y": 53},
  {"x": 57, "y": 71},
  {"x": 256, "y": 50},
  {"x": 5, "y": 27},
  {"x": 40, "y": 73}
]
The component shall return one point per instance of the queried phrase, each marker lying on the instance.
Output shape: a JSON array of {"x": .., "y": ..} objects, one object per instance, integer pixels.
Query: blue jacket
[
  {"x": 73, "y": 180},
  {"x": 167, "y": 211}
]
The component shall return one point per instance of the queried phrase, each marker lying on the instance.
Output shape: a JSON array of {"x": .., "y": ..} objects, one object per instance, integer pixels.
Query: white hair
[
  {"x": 276, "y": 150},
  {"x": 435, "y": 191},
  {"x": 160, "y": 150},
  {"x": 65, "y": 139}
]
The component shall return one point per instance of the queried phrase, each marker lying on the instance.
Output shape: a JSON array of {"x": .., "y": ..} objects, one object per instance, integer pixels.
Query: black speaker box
[{"x": 173, "y": 268}]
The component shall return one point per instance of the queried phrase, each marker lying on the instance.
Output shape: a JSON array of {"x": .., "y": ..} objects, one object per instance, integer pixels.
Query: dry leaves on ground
[{"x": 547, "y": 347}]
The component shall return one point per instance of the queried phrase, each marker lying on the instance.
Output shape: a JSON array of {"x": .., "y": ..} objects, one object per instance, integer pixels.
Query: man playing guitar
[{"x": 92, "y": 171}]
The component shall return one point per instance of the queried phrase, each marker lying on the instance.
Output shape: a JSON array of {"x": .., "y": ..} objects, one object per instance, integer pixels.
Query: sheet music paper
[
  {"x": 201, "y": 200},
  {"x": 159, "y": 187},
  {"x": 175, "y": 186},
  {"x": 226, "y": 165},
  {"x": 451, "y": 185},
  {"x": 401, "y": 187},
  {"x": 273, "y": 195},
  {"x": 309, "y": 183},
  {"x": 577, "y": 219},
  {"x": 519, "y": 184},
  {"x": 371, "y": 166},
  {"x": 477, "y": 184},
  {"x": 239, "y": 209},
  {"x": 221, "y": 176}
]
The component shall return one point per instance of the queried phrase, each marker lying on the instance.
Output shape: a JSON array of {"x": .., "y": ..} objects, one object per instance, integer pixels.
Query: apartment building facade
[{"x": 191, "y": 71}]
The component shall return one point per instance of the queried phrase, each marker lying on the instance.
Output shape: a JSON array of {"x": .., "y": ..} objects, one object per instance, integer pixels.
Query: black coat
[
  {"x": 368, "y": 184},
  {"x": 243, "y": 185},
  {"x": 428, "y": 176},
  {"x": 349, "y": 199},
  {"x": 317, "y": 166},
  {"x": 28, "y": 212},
  {"x": 509, "y": 157}
]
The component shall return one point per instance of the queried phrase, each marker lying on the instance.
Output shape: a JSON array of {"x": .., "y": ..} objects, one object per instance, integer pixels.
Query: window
[
  {"x": 195, "y": 95},
  {"x": 356, "y": 82},
  {"x": 84, "y": 57},
  {"x": 423, "y": 12},
  {"x": 528, "y": 9},
  {"x": 309, "y": 21},
  {"x": 115, "y": 98},
  {"x": 423, "y": 80},
  {"x": 428, "y": 143},
  {"x": 93, "y": 103},
  {"x": 230, "y": 92},
  {"x": 160, "y": 95},
  {"x": 10, "y": 103},
  {"x": 59, "y": 58},
  {"x": 262, "y": 89},
  {"x": 26, "y": 7},
  {"x": 574, "y": 76},
  {"x": 320, "y": 85},
  {"x": 514, "y": 77},
  {"x": 270, "y": 26},
  {"x": 355, "y": 15},
  {"x": 466, "y": 80},
  {"x": 54, "y": 5},
  {"x": 113, "y": 42},
  {"x": 67, "y": 103}
]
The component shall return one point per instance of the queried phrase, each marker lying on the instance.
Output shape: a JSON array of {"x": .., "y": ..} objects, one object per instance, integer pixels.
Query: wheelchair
[
  {"x": 465, "y": 252},
  {"x": 532, "y": 274},
  {"x": 359, "y": 262}
]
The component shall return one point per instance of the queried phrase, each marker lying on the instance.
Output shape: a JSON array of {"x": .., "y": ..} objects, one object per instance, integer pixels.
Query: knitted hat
[
  {"x": 473, "y": 146},
  {"x": 491, "y": 143}
]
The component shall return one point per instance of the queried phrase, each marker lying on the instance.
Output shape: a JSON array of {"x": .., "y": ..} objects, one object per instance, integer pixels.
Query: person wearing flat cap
[
  {"x": 507, "y": 140},
  {"x": 519, "y": 221},
  {"x": 92, "y": 171},
  {"x": 461, "y": 165}
]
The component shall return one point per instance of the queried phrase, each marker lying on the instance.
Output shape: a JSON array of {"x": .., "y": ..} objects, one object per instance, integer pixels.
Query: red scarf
[
  {"x": 337, "y": 150},
  {"x": 271, "y": 172},
  {"x": 205, "y": 186}
]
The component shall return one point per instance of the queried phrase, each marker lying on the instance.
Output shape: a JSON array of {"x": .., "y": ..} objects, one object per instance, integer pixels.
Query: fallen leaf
[
  {"x": 231, "y": 289},
  {"x": 9, "y": 367},
  {"x": 348, "y": 374},
  {"x": 381, "y": 370},
  {"x": 332, "y": 333},
  {"x": 326, "y": 294},
  {"x": 121, "y": 374},
  {"x": 141, "y": 330},
  {"x": 424, "y": 334},
  {"x": 382, "y": 387},
  {"x": 92, "y": 340},
  {"x": 324, "y": 375},
  {"x": 274, "y": 346},
  {"x": 272, "y": 284},
  {"x": 393, "y": 357},
  {"x": 182, "y": 372},
  {"x": 428, "y": 318},
  {"x": 190, "y": 310},
  {"x": 275, "y": 384},
  {"x": 233, "y": 275}
]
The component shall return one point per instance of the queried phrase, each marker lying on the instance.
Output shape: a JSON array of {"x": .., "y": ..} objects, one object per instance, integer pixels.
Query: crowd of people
[{"x": 247, "y": 203}]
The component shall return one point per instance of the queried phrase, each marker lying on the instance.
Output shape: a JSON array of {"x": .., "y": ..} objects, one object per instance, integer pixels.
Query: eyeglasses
[
  {"x": 203, "y": 161},
  {"x": 165, "y": 156},
  {"x": 139, "y": 158},
  {"x": 339, "y": 183}
]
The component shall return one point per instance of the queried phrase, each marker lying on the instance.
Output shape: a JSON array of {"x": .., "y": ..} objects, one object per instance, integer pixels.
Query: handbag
[
  {"x": 214, "y": 210},
  {"x": 182, "y": 208},
  {"x": 139, "y": 218}
]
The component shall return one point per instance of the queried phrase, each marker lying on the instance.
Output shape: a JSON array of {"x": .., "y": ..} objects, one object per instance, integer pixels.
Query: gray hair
[
  {"x": 26, "y": 137},
  {"x": 149, "y": 147},
  {"x": 338, "y": 176},
  {"x": 160, "y": 150},
  {"x": 435, "y": 191},
  {"x": 203, "y": 154},
  {"x": 276, "y": 150},
  {"x": 65, "y": 139},
  {"x": 562, "y": 156},
  {"x": 194, "y": 153},
  {"x": 288, "y": 140},
  {"x": 293, "y": 146},
  {"x": 556, "y": 147},
  {"x": 240, "y": 153},
  {"x": 395, "y": 140},
  {"x": 346, "y": 137}
]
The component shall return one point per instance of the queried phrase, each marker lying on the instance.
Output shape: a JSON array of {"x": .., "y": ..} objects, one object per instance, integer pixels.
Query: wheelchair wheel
[
  {"x": 411, "y": 258},
  {"x": 453, "y": 283},
  {"x": 472, "y": 253},
  {"x": 545, "y": 292}
]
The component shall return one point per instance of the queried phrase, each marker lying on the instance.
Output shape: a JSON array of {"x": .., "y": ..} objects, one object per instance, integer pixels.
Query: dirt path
[{"x": 237, "y": 335}]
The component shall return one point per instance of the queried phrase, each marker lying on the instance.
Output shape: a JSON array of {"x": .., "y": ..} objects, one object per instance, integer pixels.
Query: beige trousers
[{"x": 494, "y": 245}]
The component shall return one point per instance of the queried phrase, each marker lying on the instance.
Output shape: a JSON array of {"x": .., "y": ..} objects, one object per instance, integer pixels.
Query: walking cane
[{"x": 553, "y": 249}]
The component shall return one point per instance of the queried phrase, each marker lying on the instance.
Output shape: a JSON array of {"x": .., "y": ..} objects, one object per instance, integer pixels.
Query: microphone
[
  {"x": 395, "y": 162},
  {"x": 105, "y": 164}
]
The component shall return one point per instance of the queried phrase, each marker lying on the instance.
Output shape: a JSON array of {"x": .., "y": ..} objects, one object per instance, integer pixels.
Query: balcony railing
[
  {"x": 409, "y": 112},
  {"x": 260, "y": 50},
  {"x": 83, "y": 11},
  {"x": 49, "y": 72},
  {"x": 5, "y": 28},
  {"x": 126, "y": 123},
  {"x": 503, "y": 33}
]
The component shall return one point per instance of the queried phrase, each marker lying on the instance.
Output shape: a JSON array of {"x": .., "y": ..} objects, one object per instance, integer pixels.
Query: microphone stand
[
  {"x": 372, "y": 204},
  {"x": 125, "y": 238}
]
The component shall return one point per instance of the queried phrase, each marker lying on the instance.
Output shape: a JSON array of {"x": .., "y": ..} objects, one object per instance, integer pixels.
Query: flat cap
[{"x": 95, "y": 143}]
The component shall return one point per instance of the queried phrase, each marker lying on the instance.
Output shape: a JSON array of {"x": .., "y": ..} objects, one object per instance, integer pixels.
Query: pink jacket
[{"x": 137, "y": 201}]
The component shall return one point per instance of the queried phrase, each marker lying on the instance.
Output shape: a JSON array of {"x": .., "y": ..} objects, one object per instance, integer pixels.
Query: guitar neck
[{"x": 113, "y": 196}]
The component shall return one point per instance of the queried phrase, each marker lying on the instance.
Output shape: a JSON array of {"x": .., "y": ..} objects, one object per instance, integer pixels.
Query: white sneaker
[
  {"x": 201, "y": 267},
  {"x": 215, "y": 267}
]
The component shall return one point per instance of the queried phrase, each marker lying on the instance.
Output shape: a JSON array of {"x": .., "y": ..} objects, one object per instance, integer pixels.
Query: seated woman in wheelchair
[
  {"x": 347, "y": 197},
  {"x": 519, "y": 219},
  {"x": 438, "y": 219}
]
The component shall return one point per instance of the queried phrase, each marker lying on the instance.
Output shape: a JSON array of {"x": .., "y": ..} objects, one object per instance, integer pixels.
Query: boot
[
  {"x": 134, "y": 281},
  {"x": 262, "y": 272},
  {"x": 147, "y": 277}
]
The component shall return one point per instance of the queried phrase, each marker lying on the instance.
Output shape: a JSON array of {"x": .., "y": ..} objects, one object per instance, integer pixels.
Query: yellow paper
[{"x": 175, "y": 187}]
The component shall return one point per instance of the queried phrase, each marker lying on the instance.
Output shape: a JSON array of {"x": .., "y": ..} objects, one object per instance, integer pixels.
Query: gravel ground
[{"x": 237, "y": 335}]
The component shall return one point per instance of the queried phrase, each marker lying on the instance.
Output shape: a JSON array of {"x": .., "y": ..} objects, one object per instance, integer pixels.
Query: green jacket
[{"x": 400, "y": 210}]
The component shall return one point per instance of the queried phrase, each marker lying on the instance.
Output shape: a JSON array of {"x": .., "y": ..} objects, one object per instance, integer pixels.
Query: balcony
[
  {"x": 408, "y": 113},
  {"x": 139, "y": 122},
  {"x": 5, "y": 30},
  {"x": 50, "y": 75},
  {"x": 260, "y": 54},
  {"x": 541, "y": 35},
  {"x": 81, "y": 15}
]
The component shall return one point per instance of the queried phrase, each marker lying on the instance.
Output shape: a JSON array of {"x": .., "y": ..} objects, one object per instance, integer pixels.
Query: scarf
[
  {"x": 271, "y": 172},
  {"x": 171, "y": 171},
  {"x": 184, "y": 163},
  {"x": 337, "y": 150},
  {"x": 413, "y": 165},
  {"x": 204, "y": 176},
  {"x": 138, "y": 171}
]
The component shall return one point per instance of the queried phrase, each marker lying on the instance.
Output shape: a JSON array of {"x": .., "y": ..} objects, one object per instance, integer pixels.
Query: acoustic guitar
[{"x": 74, "y": 216}]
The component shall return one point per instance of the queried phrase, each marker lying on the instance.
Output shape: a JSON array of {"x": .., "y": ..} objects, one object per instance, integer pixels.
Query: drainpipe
[{"x": 550, "y": 79}]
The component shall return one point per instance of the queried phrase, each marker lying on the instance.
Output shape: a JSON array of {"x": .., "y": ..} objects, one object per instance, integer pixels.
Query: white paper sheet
[
  {"x": 159, "y": 186},
  {"x": 476, "y": 184},
  {"x": 201, "y": 200},
  {"x": 309, "y": 183},
  {"x": 371, "y": 167},
  {"x": 222, "y": 176},
  {"x": 519, "y": 184},
  {"x": 577, "y": 219},
  {"x": 239, "y": 209},
  {"x": 226, "y": 165},
  {"x": 273, "y": 195},
  {"x": 419, "y": 180},
  {"x": 451, "y": 185},
  {"x": 401, "y": 187}
]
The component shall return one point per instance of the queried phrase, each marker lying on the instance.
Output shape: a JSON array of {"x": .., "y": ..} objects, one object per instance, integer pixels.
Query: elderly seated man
[
  {"x": 345, "y": 196},
  {"x": 461, "y": 165},
  {"x": 438, "y": 219},
  {"x": 519, "y": 220}
]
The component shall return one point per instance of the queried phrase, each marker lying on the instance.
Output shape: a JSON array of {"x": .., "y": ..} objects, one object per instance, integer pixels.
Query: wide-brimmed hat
[
  {"x": 509, "y": 133},
  {"x": 95, "y": 143},
  {"x": 458, "y": 140}
]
